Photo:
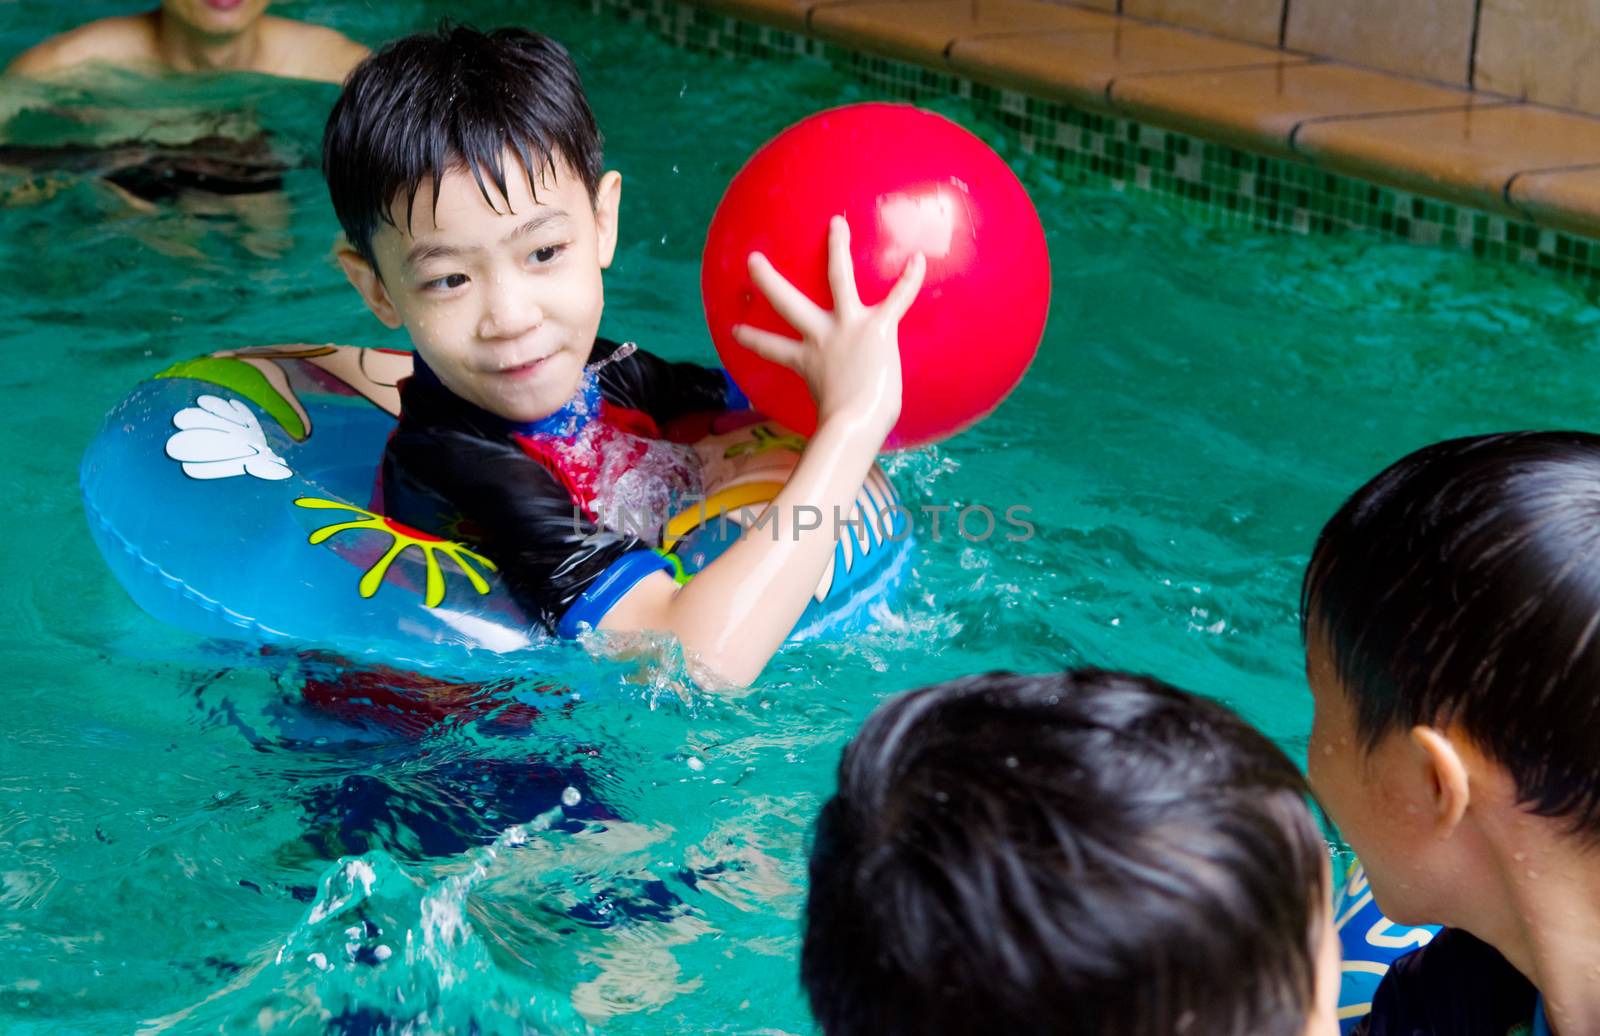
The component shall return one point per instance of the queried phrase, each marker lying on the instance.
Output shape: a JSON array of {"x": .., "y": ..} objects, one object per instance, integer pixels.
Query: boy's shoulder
[
  {"x": 300, "y": 50},
  {"x": 128, "y": 39},
  {"x": 1457, "y": 985}
]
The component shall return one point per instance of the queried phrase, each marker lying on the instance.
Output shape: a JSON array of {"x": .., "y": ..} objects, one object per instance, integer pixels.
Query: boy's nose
[{"x": 509, "y": 311}]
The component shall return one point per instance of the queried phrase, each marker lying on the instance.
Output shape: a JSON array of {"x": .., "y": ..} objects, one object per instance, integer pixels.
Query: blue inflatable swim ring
[
  {"x": 230, "y": 496},
  {"x": 1370, "y": 942}
]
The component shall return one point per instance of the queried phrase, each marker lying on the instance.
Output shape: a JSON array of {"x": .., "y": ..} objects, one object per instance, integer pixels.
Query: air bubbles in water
[{"x": 570, "y": 797}]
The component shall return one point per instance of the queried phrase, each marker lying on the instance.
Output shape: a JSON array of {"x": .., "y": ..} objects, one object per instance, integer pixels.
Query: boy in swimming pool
[
  {"x": 466, "y": 171},
  {"x": 1451, "y": 612},
  {"x": 1088, "y": 852},
  {"x": 199, "y": 36}
]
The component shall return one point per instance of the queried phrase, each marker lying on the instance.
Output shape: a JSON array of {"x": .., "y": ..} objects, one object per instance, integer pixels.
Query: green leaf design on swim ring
[{"x": 243, "y": 378}]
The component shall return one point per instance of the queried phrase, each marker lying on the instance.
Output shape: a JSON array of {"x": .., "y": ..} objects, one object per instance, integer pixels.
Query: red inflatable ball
[{"x": 907, "y": 180}]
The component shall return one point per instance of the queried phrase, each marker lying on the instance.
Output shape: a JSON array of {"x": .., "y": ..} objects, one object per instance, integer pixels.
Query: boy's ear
[
  {"x": 607, "y": 199},
  {"x": 365, "y": 280},
  {"x": 1446, "y": 773}
]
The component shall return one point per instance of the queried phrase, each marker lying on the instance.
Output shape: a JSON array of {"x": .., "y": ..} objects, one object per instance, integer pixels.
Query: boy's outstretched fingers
[
  {"x": 805, "y": 316},
  {"x": 780, "y": 350},
  {"x": 841, "y": 269},
  {"x": 904, "y": 293}
]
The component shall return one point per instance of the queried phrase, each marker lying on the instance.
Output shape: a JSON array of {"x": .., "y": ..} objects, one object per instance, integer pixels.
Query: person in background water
[
  {"x": 185, "y": 36},
  {"x": 216, "y": 172}
]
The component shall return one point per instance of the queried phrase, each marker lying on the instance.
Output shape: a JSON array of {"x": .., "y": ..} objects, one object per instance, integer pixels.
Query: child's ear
[
  {"x": 365, "y": 280},
  {"x": 1446, "y": 773},
  {"x": 607, "y": 199}
]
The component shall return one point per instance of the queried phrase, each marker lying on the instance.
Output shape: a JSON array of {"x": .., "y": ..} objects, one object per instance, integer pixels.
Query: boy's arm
[{"x": 735, "y": 614}]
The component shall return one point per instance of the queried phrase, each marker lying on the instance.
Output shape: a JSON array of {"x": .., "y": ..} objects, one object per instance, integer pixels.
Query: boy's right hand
[{"x": 850, "y": 356}]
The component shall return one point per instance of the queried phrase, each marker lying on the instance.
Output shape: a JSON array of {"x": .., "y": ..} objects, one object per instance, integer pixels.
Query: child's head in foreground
[
  {"x": 465, "y": 169},
  {"x": 1086, "y": 852},
  {"x": 1452, "y": 627}
]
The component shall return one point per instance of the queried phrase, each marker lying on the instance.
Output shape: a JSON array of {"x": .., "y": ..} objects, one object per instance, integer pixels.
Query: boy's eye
[
  {"x": 445, "y": 283},
  {"x": 547, "y": 253}
]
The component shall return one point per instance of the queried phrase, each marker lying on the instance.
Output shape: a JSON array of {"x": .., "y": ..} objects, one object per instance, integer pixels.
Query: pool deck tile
[
  {"x": 783, "y": 14},
  {"x": 1477, "y": 148},
  {"x": 1262, "y": 108},
  {"x": 1565, "y": 198},
  {"x": 1254, "y": 21},
  {"x": 1467, "y": 155},
  {"x": 923, "y": 30},
  {"x": 1080, "y": 67}
]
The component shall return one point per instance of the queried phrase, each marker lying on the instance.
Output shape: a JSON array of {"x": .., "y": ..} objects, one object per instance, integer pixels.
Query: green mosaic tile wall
[{"x": 1212, "y": 182}]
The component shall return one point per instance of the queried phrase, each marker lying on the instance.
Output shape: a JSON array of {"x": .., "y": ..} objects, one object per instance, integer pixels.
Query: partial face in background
[
  {"x": 503, "y": 302},
  {"x": 1379, "y": 799},
  {"x": 218, "y": 18},
  {"x": 1324, "y": 1017}
]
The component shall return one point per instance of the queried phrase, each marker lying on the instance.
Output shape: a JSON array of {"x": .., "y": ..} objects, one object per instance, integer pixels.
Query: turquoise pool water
[{"x": 190, "y": 843}]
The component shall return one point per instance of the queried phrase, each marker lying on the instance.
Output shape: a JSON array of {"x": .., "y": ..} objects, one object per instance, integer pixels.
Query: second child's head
[
  {"x": 1085, "y": 852},
  {"x": 465, "y": 169},
  {"x": 1452, "y": 627}
]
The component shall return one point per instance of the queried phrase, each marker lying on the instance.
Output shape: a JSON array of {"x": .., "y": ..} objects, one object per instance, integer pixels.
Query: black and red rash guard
[{"x": 532, "y": 497}]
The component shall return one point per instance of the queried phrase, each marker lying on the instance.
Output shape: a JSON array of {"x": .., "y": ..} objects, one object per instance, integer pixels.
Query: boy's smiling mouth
[{"x": 523, "y": 369}]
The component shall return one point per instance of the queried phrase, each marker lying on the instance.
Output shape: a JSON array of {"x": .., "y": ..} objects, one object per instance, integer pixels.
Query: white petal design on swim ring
[{"x": 220, "y": 438}]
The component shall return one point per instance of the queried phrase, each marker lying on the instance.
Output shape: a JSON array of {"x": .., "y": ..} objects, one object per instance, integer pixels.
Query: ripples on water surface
[{"x": 195, "y": 837}]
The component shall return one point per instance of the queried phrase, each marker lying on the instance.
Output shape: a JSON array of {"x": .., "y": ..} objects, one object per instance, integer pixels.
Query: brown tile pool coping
[{"x": 1473, "y": 148}]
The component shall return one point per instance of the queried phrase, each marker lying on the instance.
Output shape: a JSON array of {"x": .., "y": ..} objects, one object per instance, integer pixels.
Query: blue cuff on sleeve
[
  {"x": 735, "y": 399},
  {"x": 610, "y": 587}
]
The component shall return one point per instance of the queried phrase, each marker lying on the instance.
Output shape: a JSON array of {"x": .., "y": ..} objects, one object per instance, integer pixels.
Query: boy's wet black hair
[
  {"x": 1462, "y": 586},
  {"x": 454, "y": 99},
  {"x": 1087, "y": 852}
]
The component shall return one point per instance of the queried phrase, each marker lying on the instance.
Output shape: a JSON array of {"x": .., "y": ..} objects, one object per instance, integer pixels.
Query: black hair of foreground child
[
  {"x": 1462, "y": 585},
  {"x": 1085, "y": 852},
  {"x": 453, "y": 99}
]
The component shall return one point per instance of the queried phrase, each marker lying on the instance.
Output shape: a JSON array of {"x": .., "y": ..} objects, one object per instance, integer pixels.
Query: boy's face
[
  {"x": 1377, "y": 797},
  {"x": 503, "y": 303}
]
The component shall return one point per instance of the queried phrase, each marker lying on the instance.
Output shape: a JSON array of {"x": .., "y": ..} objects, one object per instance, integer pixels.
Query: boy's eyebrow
[
  {"x": 421, "y": 252},
  {"x": 535, "y": 224}
]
